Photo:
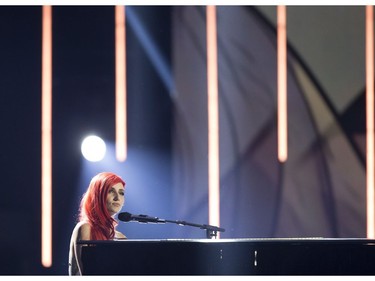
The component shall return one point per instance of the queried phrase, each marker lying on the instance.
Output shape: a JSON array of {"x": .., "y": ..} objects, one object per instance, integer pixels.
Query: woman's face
[{"x": 115, "y": 198}]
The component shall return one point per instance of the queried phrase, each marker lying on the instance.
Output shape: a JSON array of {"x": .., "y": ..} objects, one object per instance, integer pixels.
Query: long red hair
[{"x": 93, "y": 207}]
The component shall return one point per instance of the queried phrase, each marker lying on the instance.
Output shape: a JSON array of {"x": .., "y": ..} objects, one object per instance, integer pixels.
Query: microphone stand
[{"x": 211, "y": 231}]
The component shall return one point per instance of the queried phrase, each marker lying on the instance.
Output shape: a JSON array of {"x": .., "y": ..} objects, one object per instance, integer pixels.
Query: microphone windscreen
[{"x": 124, "y": 216}]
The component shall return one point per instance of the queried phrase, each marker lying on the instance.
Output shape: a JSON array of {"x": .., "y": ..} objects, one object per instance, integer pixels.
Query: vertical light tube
[
  {"x": 46, "y": 192},
  {"x": 282, "y": 121},
  {"x": 213, "y": 119},
  {"x": 370, "y": 120},
  {"x": 120, "y": 62}
]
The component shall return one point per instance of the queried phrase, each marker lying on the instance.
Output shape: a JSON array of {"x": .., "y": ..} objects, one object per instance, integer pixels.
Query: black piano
[{"x": 269, "y": 256}]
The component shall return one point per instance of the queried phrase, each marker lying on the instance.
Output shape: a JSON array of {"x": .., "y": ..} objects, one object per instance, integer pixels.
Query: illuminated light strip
[
  {"x": 213, "y": 120},
  {"x": 282, "y": 122},
  {"x": 370, "y": 120},
  {"x": 120, "y": 61},
  {"x": 46, "y": 215}
]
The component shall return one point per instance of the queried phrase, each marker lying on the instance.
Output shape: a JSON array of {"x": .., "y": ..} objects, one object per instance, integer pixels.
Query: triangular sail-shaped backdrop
[{"x": 318, "y": 192}]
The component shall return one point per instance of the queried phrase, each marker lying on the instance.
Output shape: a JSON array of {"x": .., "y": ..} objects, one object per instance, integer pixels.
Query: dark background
[{"x": 83, "y": 103}]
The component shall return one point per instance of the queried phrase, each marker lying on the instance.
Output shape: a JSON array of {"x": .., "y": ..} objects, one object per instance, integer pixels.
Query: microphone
[{"x": 126, "y": 217}]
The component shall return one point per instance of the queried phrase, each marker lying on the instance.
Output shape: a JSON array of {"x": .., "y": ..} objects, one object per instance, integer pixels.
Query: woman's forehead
[{"x": 118, "y": 185}]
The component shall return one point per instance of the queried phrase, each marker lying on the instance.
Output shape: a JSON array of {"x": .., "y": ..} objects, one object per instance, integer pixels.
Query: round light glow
[{"x": 93, "y": 148}]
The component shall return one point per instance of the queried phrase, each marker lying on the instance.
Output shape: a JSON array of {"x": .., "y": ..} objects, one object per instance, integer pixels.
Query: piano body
[{"x": 272, "y": 256}]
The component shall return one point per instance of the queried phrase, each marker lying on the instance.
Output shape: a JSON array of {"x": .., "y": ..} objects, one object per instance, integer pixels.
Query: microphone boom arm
[{"x": 211, "y": 231}]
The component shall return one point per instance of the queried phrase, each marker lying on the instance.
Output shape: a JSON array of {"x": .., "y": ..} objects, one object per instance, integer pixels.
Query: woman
[{"x": 103, "y": 199}]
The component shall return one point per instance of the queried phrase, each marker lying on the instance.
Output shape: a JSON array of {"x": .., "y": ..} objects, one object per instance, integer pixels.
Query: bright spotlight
[{"x": 93, "y": 148}]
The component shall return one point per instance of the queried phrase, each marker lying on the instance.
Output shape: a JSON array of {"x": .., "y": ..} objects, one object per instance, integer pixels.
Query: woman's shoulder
[
  {"x": 82, "y": 231},
  {"x": 82, "y": 225},
  {"x": 118, "y": 234}
]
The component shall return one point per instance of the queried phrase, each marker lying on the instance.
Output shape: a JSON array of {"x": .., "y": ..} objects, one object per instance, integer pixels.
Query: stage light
[
  {"x": 370, "y": 126},
  {"x": 93, "y": 148},
  {"x": 282, "y": 107},
  {"x": 120, "y": 62},
  {"x": 46, "y": 189},
  {"x": 213, "y": 119}
]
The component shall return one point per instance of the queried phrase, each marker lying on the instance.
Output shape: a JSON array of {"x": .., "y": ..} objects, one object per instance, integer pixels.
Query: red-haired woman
[{"x": 103, "y": 199}]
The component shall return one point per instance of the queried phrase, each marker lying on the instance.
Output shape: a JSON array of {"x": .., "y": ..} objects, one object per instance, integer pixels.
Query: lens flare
[{"x": 93, "y": 148}]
